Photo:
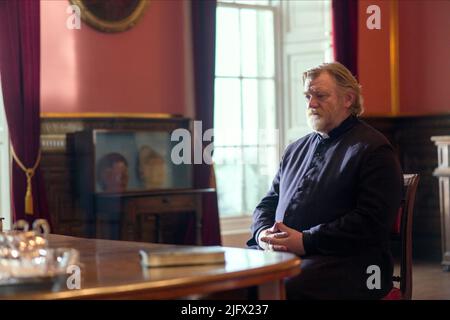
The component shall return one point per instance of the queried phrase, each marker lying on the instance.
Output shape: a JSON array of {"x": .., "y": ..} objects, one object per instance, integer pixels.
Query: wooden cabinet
[
  {"x": 166, "y": 213},
  {"x": 160, "y": 216},
  {"x": 131, "y": 189}
]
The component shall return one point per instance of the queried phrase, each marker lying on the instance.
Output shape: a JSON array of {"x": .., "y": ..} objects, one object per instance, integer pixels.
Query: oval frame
[{"x": 111, "y": 26}]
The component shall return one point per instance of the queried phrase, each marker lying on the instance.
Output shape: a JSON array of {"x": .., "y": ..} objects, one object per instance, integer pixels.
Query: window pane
[
  {"x": 228, "y": 168},
  {"x": 258, "y": 174},
  {"x": 258, "y": 108},
  {"x": 245, "y": 135},
  {"x": 254, "y": 2},
  {"x": 227, "y": 42},
  {"x": 257, "y": 43},
  {"x": 252, "y": 187},
  {"x": 243, "y": 177},
  {"x": 227, "y": 112}
]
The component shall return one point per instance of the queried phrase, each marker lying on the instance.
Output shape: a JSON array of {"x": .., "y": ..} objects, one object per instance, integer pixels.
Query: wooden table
[{"x": 111, "y": 270}]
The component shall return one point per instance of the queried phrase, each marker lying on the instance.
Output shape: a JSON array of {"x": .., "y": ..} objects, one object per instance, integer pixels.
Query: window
[
  {"x": 306, "y": 43},
  {"x": 245, "y": 119},
  {"x": 262, "y": 48},
  {"x": 5, "y": 202}
]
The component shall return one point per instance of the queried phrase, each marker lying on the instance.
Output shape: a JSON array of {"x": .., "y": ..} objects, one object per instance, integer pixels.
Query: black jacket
[{"x": 342, "y": 192}]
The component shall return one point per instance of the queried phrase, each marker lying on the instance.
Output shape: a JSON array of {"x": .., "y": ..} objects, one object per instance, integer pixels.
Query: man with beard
[{"x": 335, "y": 196}]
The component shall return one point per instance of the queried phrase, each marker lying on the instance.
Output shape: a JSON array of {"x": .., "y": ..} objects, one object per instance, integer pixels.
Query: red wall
[
  {"x": 136, "y": 71},
  {"x": 424, "y": 28},
  {"x": 424, "y": 63},
  {"x": 143, "y": 69},
  {"x": 373, "y": 61}
]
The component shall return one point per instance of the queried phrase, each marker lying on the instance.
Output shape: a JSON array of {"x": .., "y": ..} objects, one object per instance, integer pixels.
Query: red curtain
[
  {"x": 203, "y": 36},
  {"x": 20, "y": 77},
  {"x": 345, "y": 33}
]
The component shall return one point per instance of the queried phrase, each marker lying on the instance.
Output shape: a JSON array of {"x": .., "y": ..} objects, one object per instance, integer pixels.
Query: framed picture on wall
[
  {"x": 123, "y": 161},
  {"x": 111, "y": 16}
]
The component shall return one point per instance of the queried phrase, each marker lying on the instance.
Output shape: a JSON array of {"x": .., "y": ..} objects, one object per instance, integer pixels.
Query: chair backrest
[{"x": 402, "y": 231}]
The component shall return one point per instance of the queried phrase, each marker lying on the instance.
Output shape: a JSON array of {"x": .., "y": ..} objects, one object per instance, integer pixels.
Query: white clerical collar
[{"x": 323, "y": 135}]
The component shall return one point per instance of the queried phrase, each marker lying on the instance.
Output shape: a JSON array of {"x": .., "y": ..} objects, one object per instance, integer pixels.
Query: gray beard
[{"x": 315, "y": 123}]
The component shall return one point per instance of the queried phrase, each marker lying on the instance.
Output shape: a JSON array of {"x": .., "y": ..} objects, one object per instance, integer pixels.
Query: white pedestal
[{"x": 443, "y": 174}]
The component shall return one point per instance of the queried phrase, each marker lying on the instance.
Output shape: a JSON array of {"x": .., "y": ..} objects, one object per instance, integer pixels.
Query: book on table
[{"x": 182, "y": 256}]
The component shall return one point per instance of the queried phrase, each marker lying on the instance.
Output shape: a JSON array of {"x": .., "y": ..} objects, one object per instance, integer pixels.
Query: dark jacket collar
[{"x": 345, "y": 125}]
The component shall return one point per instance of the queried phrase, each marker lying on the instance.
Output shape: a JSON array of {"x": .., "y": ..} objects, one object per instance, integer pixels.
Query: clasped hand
[{"x": 282, "y": 238}]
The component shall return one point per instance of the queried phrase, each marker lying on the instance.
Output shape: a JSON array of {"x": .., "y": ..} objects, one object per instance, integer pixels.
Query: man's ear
[{"x": 349, "y": 98}]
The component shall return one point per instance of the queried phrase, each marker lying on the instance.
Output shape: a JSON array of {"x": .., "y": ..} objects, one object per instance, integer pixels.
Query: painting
[
  {"x": 111, "y": 16},
  {"x": 152, "y": 168},
  {"x": 112, "y": 172},
  {"x": 137, "y": 160}
]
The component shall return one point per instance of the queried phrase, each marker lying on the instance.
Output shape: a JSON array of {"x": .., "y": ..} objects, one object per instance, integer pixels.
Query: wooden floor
[{"x": 430, "y": 282}]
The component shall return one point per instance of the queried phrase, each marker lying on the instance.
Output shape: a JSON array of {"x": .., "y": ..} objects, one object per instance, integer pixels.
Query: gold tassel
[
  {"x": 28, "y": 194},
  {"x": 29, "y": 203},
  {"x": 29, "y": 172}
]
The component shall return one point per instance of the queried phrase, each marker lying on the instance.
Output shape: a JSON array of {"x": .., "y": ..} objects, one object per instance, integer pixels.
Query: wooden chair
[{"x": 402, "y": 232}]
